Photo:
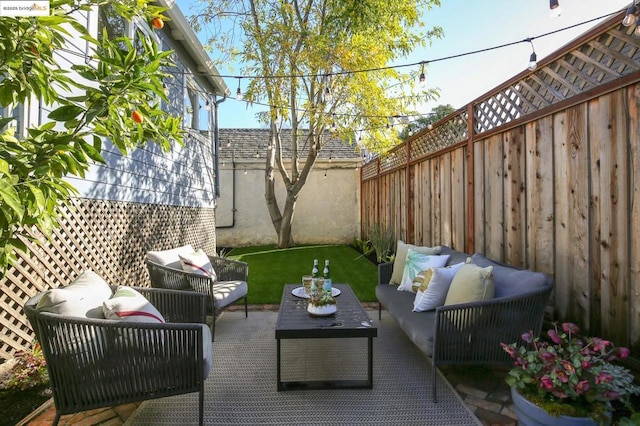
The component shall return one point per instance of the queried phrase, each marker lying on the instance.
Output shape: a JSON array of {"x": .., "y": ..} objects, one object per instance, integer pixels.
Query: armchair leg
[
  {"x": 201, "y": 400},
  {"x": 246, "y": 310},
  {"x": 379, "y": 311},
  {"x": 56, "y": 419},
  {"x": 213, "y": 325},
  {"x": 433, "y": 389}
]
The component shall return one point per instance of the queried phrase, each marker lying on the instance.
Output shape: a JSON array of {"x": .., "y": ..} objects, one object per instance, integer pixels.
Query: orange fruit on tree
[
  {"x": 137, "y": 117},
  {"x": 157, "y": 23}
]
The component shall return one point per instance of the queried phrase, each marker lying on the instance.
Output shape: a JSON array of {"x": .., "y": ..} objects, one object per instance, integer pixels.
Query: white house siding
[
  {"x": 327, "y": 211},
  {"x": 183, "y": 177}
]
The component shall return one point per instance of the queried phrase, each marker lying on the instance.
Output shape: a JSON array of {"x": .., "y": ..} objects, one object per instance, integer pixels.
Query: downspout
[
  {"x": 216, "y": 143},
  {"x": 233, "y": 169}
]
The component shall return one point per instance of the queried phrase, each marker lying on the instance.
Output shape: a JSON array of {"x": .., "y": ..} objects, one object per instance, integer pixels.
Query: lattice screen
[{"x": 109, "y": 237}]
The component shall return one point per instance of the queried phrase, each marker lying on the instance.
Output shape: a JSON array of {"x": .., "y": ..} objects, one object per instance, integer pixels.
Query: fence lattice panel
[{"x": 110, "y": 238}]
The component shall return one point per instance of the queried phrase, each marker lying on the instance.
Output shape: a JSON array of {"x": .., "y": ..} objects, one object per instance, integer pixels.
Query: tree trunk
[{"x": 285, "y": 236}]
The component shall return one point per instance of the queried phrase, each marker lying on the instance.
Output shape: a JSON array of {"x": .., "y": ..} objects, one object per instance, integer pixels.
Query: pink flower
[
  {"x": 570, "y": 327},
  {"x": 546, "y": 382},
  {"x": 547, "y": 356},
  {"x": 603, "y": 378},
  {"x": 562, "y": 376},
  {"x": 527, "y": 337},
  {"x": 568, "y": 367},
  {"x": 600, "y": 344},
  {"x": 586, "y": 364},
  {"x": 623, "y": 352},
  {"x": 554, "y": 336},
  {"x": 611, "y": 395},
  {"x": 582, "y": 386}
]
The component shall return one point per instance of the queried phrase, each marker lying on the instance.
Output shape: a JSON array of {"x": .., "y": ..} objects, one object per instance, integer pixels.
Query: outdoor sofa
[
  {"x": 159, "y": 345},
  {"x": 470, "y": 333}
]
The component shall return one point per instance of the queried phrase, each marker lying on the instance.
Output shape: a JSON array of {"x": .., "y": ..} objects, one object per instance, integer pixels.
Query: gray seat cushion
[
  {"x": 509, "y": 280},
  {"x": 454, "y": 255},
  {"x": 417, "y": 325}
]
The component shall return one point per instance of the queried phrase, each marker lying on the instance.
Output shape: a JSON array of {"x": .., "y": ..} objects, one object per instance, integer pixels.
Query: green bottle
[{"x": 327, "y": 276}]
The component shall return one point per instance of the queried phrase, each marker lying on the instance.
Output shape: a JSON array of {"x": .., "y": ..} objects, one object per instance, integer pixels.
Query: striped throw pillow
[
  {"x": 198, "y": 263},
  {"x": 129, "y": 305}
]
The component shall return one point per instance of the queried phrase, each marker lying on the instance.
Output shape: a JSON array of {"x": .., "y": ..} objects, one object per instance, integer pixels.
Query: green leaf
[
  {"x": 10, "y": 197},
  {"x": 65, "y": 112}
]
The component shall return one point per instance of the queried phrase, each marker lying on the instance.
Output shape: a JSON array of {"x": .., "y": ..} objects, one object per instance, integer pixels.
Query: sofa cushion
[
  {"x": 401, "y": 256},
  {"x": 129, "y": 305},
  {"x": 417, "y": 325},
  {"x": 82, "y": 298},
  {"x": 509, "y": 280},
  {"x": 436, "y": 291},
  {"x": 417, "y": 262},
  {"x": 455, "y": 256},
  {"x": 169, "y": 257},
  {"x": 197, "y": 262},
  {"x": 227, "y": 292},
  {"x": 471, "y": 284}
]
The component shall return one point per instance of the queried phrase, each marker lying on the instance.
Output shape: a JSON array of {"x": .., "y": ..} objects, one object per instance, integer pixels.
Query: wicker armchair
[
  {"x": 229, "y": 286},
  {"x": 95, "y": 363}
]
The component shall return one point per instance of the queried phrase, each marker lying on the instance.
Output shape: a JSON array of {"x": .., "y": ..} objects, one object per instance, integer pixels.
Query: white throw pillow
[
  {"x": 128, "y": 304},
  {"x": 82, "y": 298},
  {"x": 169, "y": 257},
  {"x": 437, "y": 289},
  {"x": 417, "y": 262},
  {"x": 197, "y": 262}
]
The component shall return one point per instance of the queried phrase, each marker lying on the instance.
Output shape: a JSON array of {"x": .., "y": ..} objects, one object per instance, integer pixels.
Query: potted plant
[{"x": 565, "y": 377}]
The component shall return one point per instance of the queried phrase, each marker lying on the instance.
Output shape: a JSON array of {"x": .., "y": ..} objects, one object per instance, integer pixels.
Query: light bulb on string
[
  {"x": 556, "y": 10},
  {"x": 636, "y": 32},
  {"x": 423, "y": 79},
  {"x": 165, "y": 88},
  {"x": 630, "y": 18},
  {"x": 533, "y": 59},
  {"x": 239, "y": 91},
  {"x": 207, "y": 105}
]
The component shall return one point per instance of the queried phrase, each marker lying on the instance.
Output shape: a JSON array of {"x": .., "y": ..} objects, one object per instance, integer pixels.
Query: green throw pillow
[{"x": 471, "y": 284}]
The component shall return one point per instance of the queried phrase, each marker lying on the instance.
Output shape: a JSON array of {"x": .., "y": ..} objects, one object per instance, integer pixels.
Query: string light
[
  {"x": 630, "y": 18},
  {"x": 533, "y": 59},
  {"x": 423, "y": 79},
  {"x": 556, "y": 10},
  {"x": 207, "y": 105},
  {"x": 239, "y": 91},
  {"x": 165, "y": 88}
]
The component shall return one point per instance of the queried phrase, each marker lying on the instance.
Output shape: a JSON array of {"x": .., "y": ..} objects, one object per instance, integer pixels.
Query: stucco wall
[{"x": 327, "y": 210}]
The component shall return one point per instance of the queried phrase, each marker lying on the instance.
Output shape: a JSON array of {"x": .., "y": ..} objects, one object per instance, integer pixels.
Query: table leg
[
  {"x": 370, "y": 362},
  {"x": 278, "y": 367}
]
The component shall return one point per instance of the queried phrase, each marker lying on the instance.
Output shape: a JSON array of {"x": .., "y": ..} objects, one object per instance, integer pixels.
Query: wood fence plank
[
  {"x": 458, "y": 199},
  {"x": 479, "y": 196},
  {"x": 615, "y": 219},
  {"x": 595, "y": 213},
  {"x": 494, "y": 198},
  {"x": 445, "y": 203},
  {"x": 435, "y": 201},
  {"x": 572, "y": 190},
  {"x": 539, "y": 195},
  {"x": 514, "y": 184}
]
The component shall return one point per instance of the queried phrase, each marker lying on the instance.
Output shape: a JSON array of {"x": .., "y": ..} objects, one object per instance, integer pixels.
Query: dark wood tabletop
[{"x": 350, "y": 319}]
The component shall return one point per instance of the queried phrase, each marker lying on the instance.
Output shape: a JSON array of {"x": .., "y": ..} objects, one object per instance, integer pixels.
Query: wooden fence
[{"x": 543, "y": 172}]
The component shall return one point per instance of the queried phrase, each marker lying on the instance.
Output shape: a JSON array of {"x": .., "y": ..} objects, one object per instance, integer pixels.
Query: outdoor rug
[{"x": 241, "y": 388}]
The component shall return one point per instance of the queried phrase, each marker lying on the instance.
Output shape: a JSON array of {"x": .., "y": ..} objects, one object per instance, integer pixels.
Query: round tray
[{"x": 299, "y": 292}]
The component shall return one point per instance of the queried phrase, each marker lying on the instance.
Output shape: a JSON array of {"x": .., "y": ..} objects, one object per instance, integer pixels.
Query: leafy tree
[
  {"x": 303, "y": 53},
  {"x": 437, "y": 114},
  {"x": 116, "y": 95}
]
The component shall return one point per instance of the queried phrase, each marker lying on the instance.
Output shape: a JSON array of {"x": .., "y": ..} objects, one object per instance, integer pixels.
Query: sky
[{"x": 468, "y": 26}]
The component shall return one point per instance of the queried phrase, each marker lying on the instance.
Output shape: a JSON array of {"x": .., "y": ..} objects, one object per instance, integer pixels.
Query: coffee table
[{"x": 350, "y": 321}]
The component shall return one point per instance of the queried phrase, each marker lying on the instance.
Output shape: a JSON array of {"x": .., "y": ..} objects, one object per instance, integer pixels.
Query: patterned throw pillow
[
  {"x": 437, "y": 288},
  {"x": 129, "y": 305},
  {"x": 417, "y": 262},
  {"x": 401, "y": 257},
  {"x": 197, "y": 262},
  {"x": 421, "y": 281}
]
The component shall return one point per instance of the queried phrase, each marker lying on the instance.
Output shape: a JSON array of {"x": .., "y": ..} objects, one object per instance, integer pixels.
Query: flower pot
[{"x": 529, "y": 414}]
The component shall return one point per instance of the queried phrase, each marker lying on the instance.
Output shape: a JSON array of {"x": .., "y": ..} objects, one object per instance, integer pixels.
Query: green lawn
[{"x": 271, "y": 268}]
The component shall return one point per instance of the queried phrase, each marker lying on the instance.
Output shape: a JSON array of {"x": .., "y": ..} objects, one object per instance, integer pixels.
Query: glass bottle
[{"x": 327, "y": 276}]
